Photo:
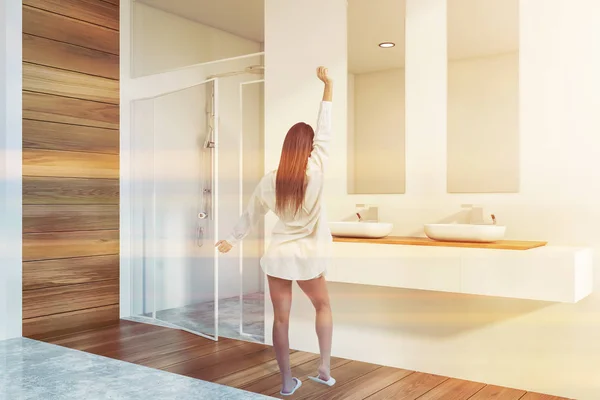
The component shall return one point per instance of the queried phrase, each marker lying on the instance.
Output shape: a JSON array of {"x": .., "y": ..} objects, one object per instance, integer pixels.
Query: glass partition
[
  {"x": 180, "y": 141},
  {"x": 174, "y": 214},
  {"x": 251, "y": 171}
]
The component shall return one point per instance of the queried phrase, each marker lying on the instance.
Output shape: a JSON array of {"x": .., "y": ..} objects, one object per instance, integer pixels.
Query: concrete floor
[{"x": 35, "y": 370}]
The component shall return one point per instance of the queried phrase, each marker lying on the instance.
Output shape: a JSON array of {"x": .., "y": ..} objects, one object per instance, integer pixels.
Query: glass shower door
[
  {"x": 175, "y": 279},
  {"x": 251, "y": 297}
]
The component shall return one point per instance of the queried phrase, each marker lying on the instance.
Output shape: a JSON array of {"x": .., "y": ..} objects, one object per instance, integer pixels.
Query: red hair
[{"x": 290, "y": 184}]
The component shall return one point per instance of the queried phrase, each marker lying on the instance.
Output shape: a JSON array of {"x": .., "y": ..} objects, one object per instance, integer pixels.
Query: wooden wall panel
[
  {"x": 70, "y": 166},
  {"x": 45, "y": 246},
  {"x": 40, "y": 79},
  {"x": 68, "y": 30},
  {"x": 48, "y": 190},
  {"x": 69, "y": 57},
  {"x": 61, "y": 299},
  {"x": 44, "y": 107},
  {"x": 69, "y": 271},
  {"x": 94, "y": 11},
  {"x": 55, "y": 325},
  {"x": 53, "y": 136},
  {"x": 66, "y": 218}
]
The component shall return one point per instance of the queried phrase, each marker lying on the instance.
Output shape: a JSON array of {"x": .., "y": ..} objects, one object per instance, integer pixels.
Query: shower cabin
[{"x": 196, "y": 155}]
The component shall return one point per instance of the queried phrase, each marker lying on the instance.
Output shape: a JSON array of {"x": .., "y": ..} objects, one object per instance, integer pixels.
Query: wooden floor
[{"x": 252, "y": 367}]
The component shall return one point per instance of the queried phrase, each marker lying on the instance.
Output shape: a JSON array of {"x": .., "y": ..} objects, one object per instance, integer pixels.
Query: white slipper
[
  {"x": 298, "y": 384},
  {"x": 329, "y": 382}
]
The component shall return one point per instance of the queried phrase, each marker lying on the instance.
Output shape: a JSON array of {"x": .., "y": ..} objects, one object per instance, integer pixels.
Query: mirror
[
  {"x": 172, "y": 34},
  {"x": 376, "y": 149},
  {"x": 483, "y": 96}
]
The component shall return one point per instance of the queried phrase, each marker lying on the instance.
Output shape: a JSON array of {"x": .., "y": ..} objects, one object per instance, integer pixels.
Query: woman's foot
[
  {"x": 324, "y": 372},
  {"x": 289, "y": 387},
  {"x": 323, "y": 377}
]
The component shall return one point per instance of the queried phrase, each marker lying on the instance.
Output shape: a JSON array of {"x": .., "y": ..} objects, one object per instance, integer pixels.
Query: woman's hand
[
  {"x": 323, "y": 75},
  {"x": 224, "y": 246}
]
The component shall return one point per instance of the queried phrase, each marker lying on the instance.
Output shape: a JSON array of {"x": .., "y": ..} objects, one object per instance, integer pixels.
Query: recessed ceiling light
[{"x": 386, "y": 45}]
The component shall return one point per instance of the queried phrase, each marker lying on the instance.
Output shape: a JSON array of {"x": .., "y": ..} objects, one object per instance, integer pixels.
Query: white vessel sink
[
  {"x": 360, "y": 229},
  {"x": 465, "y": 232}
]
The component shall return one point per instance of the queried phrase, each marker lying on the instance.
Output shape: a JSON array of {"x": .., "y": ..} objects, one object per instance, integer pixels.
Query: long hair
[{"x": 290, "y": 184}]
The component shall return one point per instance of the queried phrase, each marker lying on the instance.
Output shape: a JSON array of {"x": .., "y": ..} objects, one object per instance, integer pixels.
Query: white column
[
  {"x": 299, "y": 37},
  {"x": 10, "y": 169},
  {"x": 426, "y": 75}
]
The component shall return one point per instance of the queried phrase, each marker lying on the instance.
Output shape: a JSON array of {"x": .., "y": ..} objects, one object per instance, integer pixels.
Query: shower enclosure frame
[
  {"x": 214, "y": 212},
  {"x": 241, "y": 204}
]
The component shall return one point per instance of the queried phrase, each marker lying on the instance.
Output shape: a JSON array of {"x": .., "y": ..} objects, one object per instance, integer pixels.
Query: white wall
[
  {"x": 229, "y": 130},
  {"x": 351, "y": 134},
  {"x": 483, "y": 124},
  {"x": 544, "y": 347},
  {"x": 10, "y": 170},
  {"x": 164, "y": 42},
  {"x": 379, "y": 152},
  {"x": 292, "y": 91}
]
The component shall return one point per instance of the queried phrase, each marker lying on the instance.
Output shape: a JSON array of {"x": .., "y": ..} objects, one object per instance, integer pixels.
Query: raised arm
[
  {"x": 322, "y": 73},
  {"x": 320, "y": 152}
]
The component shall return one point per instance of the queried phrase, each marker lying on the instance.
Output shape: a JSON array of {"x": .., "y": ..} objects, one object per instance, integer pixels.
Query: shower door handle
[{"x": 200, "y": 229}]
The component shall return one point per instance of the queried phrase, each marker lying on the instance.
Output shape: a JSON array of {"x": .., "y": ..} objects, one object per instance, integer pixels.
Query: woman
[{"x": 301, "y": 241}]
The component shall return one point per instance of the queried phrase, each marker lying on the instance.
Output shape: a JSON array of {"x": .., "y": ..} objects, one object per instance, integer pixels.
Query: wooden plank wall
[{"x": 70, "y": 165}]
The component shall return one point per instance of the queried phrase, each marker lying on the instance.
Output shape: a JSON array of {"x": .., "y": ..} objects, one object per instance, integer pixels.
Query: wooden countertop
[{"x": 421, "y": 241}]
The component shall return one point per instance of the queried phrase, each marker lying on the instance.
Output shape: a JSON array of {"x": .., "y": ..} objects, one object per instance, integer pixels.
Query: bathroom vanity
[{"x": 513, "y": 269}]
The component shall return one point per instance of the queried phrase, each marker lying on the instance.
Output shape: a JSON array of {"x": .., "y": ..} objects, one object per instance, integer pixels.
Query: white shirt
[{"x": 300, "y": 246}]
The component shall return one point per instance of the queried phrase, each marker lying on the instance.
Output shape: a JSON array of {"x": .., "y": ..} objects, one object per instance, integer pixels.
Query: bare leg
[
  {"x": 281, "y": 297},
  {"x": 316, "y": 290}
]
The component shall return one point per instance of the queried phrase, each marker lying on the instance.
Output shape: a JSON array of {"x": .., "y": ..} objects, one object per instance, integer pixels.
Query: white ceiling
[
  {"x": 475, "y": 27},
  {"x": 243, "y": 18}
]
